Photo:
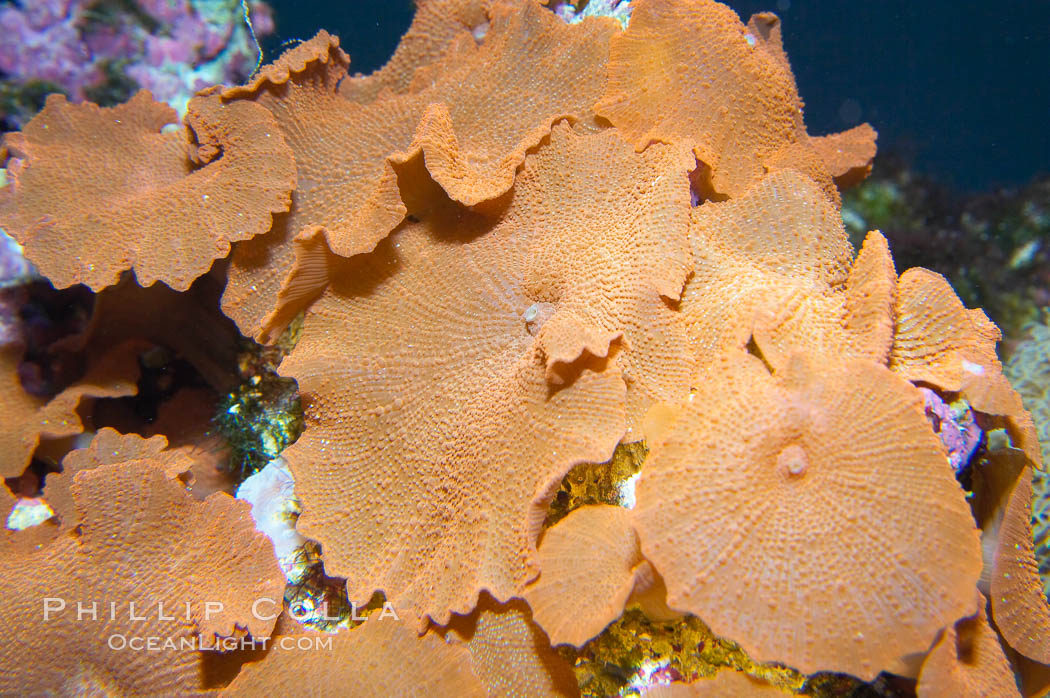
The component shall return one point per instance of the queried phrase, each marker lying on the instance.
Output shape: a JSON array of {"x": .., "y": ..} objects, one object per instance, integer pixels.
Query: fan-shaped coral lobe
[
  {"x": 446, "y": 366},
  {"x": 854, "y": 319},
  {"x": 587, "y": 570},
  {"x": 518, "y": 248},
  {"x": 939, "y": 341},
  {"x": 790, "y": 498},
  {"x": 383, "y": 657},
  {"x": 472, "y": 139},
  {"x": 848, "y": 155},
  {"x": 779, "y": 247},
  {"x": 510, "y": 653},
  {"x": 689, "y": 72},
  {"x": 1020, "y": 609},
  {"x": 431, "y": 429},
  {"x": 967, "y": 660},
  {"x": 94, "y": 192},
  {"x": 346, "y": 188},
  {"x": 160, "y": 557},
  {"x": 436, "y": 26},
  {"x": 28, "y": 419},
  {"x": 107, "y": 447},
  {"x": 613, "y": 229}
]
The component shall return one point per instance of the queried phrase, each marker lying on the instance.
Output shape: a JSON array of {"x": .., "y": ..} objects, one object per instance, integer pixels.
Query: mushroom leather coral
[
  {"x": 509, "y": 652},
  {"x": 560, "y": 275},
  {"x": 603, "y": 249},
  {"x": 502, "y": 278},
  {"x": 382, "y": 657},
  {"x": 346, "y": 187},
  {"x": 848, "y": 155},
  {"x": 96, "y": 191},
  {"x": 854, "y": 319},
  {"x": 471, "y": 137},
  {"x": 939, "y": 341},
  {"x": 433, "y": 436},
  {"x": 967, "y": 661},
  {"x": 840, "y": 547},
  {"x": 436, "y": 25},
  {"x": 118, "y": 316},
  {"x": 27, "y": 418},
  {"x": 587, "y": 570},
  {"x": 1020, "y": 610},
  {"x": 780, "y": 240},
  {"x": 774, "y": 264},
  {"x": 690, "y": 72},
  {"x": 143, "y": 540},
  {"x": 107, "y": 447}
]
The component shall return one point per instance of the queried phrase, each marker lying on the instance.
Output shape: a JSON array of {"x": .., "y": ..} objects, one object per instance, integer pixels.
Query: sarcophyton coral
[{"x": 522, "y": 249}]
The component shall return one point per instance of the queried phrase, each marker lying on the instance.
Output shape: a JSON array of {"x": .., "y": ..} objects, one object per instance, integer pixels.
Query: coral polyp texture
[{"x": 596, "y": 395}]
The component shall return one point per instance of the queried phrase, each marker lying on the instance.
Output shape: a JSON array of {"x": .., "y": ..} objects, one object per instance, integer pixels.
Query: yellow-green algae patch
[
  {"x": 319, "y": 601},
  {"x": 597, "y": 483},
  {"x": 263, "y": 415},
  {"x": 635, "y": 650}
]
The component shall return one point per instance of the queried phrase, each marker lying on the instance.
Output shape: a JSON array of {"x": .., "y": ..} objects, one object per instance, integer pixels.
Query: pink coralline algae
[
  {"x": 955, "y": 426},
  {"x": 105, "y": 50}
]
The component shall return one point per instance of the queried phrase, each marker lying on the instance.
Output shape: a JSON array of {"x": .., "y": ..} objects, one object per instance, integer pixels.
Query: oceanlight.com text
[{"x": 156, "y": 643}]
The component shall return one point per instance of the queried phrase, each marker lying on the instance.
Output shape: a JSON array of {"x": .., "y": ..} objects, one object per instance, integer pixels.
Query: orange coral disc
[
  {"x": 509, "y": 652},
  {"x": 1020, "y": 609},
  {"x": 870, "y": 300},
  {"x": 847, "y": 155},
  {"x": 937, "y": 340},
  {"x": 28, "y": 419},
  {"x": 780, "y": 246},
  {"x": 854, "y": 319},
  {"x": 690, "y": 72},
  {"x": 192, "y": 570},
  {"x": 967, "y": 661},
  {"x": 809, "y": 515},
  {"x": 775, "y": 264},
  {"x": 346, "y": 188},
  {"x": 108, "y": 447},
  {"x": 587, "y": 562},
  {"x": 436, "y": 25},
  {"x": 487, "y": 322},
  {"x": 471, "y": 137},
  {"x": 383, "y": 657},
  {"x": 604, "y": 250},
  {"x": 97, "y": 191},
  {"x": 463, "y": 368}
]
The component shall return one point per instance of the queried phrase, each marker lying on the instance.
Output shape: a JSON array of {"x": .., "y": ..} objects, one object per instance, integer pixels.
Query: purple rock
[
  {"x": 955, "y": 426},
  {"x": 189, "y": 45}
]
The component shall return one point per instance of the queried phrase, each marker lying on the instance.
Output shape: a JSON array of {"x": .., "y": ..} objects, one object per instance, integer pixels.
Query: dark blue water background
[{"x": 961, "y": 88}]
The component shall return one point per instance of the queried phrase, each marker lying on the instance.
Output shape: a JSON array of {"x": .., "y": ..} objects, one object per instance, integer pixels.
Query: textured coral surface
[{"x": 555, "y": 363}]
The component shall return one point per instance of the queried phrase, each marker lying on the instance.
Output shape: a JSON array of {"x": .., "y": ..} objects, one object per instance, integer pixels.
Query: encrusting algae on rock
[
  {"x": 263, "y": 415},
  {"x": 611, "y": 482},
  {"x": 590, "y": 377},
  {"x": 636, "y": 652}
]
